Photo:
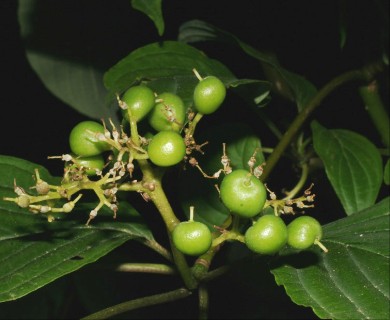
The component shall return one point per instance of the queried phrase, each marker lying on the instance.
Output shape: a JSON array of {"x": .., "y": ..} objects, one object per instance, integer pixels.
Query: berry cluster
[{"x": 104, "y": 160}]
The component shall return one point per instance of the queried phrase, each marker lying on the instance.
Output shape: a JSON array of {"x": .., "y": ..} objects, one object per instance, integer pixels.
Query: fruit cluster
[
  {"x": 165, "y": 113},
  {"x": 241, "y": 191},
  {"x": 245, "y": 197}
]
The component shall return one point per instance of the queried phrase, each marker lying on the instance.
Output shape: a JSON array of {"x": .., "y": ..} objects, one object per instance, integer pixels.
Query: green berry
[
  {"x": 242, "y": 193},
  {"x": 209, "y": 94},
  {"x": 168, "y": 114},
  {"x": 91, "y": 164},
  {"x": 303, "y": 232},
  {"x": 84, "y": 141},
  {"x": 267, "y": 236},
  {"x": 166, "y": 148},
  {"x": 192, "y": 238},
  {"x": 140, "y": 100}
]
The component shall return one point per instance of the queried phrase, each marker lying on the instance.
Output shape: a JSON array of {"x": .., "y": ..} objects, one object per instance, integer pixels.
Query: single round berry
[
  {"x": 267, "y": 236},
  {"x": 209, "y": 94},
  {"x": 84, "y": 141},
  {"x": 242, "y": 193},
  {"x": 90, "y": 164},
  {"x": 140, "y": 100},
  {"x": 303, "y": 232},
  {"x": 192, "y": 237},
  {"x": 166, "y": 148},
  {"x": 168, "y": 114}
]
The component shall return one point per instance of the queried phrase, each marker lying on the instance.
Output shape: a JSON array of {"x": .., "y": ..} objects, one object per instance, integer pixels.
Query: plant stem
[
  {"x": 203, "y": 302},
  {"x": 292, "y": 193},
  {"x": 154, "y": 245},
  {"x": 162, "y": 204},
  {"x": 364, "y": 74},
  {"x": 139, "y": 303},
  {"x": 376, "y": 110},
  {"x": 146, "y": 268}
]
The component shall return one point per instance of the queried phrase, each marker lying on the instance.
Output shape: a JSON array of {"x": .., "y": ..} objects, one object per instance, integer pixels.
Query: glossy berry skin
[
  {"x": 267, "y": 236},
  {"x": 209, "y": 94},
  {"x": 166, "y": 148},
  {"x": 303, "y": 232},
  {"x": 84, "y": 142},
  {"x": 242, "y": 193},
  {"x": 91, "y": 164},
  {"x": 192, "y": 238},
  {"x": 169, "y": 114},
  {"x": 140, "y": 100}
]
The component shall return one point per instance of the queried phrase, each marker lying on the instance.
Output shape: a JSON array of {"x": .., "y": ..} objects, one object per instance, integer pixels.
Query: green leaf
[
  {"x": 386, "y": 174},
  {"x": 200, "y": 192},
  {"x": 351, "y": 281},
  {"x": 302, "y": 89},
  {"x": 152, "y": 8},
  {"x": 35, "y": 252},
  {"x": 352, "y": 164},
  {"x": 165, "y": 66},
  {"x": 65, "y": 62}
]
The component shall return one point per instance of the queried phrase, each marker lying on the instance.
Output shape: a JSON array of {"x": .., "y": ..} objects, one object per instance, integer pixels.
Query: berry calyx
[
  {"x": 140, "y": 100},
  {"x": 303, "y": 232},
  {"x": 209, "y": 94},
  {"x": 90, "y": 164},
  {"x": 168, "y": 113},
  {"x": 242, "y": 193},
  {"x": 84, "y": 139},
  {"x": 192, "y": 237},
  {"x": 166, "y": 148},
  {"x": 267, "y": 236}
]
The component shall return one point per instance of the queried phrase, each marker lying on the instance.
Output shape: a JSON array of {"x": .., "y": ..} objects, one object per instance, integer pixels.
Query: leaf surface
[
  {"x": 34, "y": 252},
  {"x": 63, "y": 54},
  {"x": 152, "y": 8},
  {"x": 352, "y": 164},
  {"x": 302, "y": 90},
  {"x": 351, "y": 281}
]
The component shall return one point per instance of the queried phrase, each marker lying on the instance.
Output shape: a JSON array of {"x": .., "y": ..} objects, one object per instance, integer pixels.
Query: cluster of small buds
[
  {"x": 25, "y": 200},
  {"x": 286, "y": 205}
]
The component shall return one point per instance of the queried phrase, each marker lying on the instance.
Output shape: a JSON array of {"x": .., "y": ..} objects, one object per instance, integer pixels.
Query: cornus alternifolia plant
[{"x": 176, "y": 171}]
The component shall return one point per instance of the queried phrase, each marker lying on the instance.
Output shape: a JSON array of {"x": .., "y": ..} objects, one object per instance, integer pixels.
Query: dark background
[
  {"x": 305, "y": 38},
  {"x": 304, "y": 35}
]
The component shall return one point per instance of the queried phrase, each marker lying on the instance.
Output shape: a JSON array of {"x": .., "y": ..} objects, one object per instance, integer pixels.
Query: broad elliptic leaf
[
  {"x": 353, "y": 165},
  {"x": 166, "y": 66},
  {"x": 351, "y": 281},
  {"x": 61, "y": 49},
  {"x": 34, "y": 252},
  {"x": 302, "y": 90},
  {"x": 152, "y": 8},
  {"x": 199, "y": 191}
]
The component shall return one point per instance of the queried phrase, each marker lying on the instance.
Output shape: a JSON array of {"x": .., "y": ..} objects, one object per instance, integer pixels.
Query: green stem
[
  {"x": 376, "y": 110},
  {"x": 154, "y": 245},
  {"x": 203, "y": 302},
  {"x": 146, "y": 268},
  {"x": 139, "y": 303},
  {"x": 364, "y": 74},
  {"x": 292, "y": 193},
  {"x": 193, "y": 123},
  {"x": 133, "y": 129},
  {"x": 162, "y": 204}
]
